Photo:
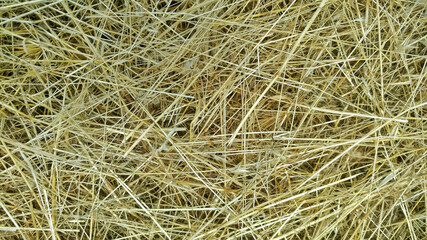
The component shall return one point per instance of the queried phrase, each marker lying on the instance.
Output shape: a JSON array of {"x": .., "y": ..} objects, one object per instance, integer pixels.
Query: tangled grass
[{"x": 242, "y": 119}]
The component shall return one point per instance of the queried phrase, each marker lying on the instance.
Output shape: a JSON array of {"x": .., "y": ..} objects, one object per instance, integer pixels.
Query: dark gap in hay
[{"x": 168, "y": 5}]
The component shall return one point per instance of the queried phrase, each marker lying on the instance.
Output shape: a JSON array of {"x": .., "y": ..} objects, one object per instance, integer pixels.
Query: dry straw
[{"x": 240, "y": 119}]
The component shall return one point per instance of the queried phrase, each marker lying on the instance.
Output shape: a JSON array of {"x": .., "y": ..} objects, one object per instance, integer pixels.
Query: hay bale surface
[{"x": 130, "y": 119}]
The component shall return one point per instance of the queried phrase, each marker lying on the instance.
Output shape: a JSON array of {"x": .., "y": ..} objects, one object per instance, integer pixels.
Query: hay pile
[{"x": 220, "y": 119}]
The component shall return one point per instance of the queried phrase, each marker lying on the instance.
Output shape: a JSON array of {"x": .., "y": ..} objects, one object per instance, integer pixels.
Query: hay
[{"x": 213, "y": 119}]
